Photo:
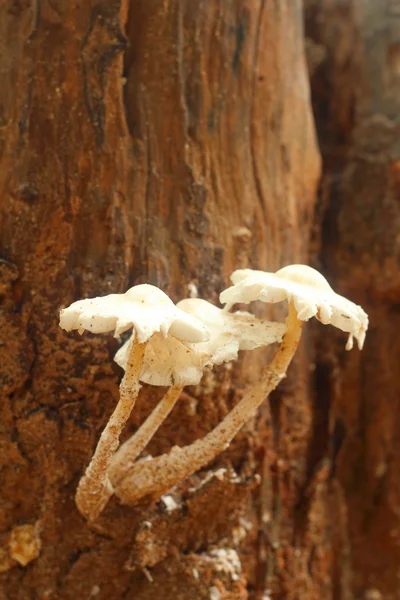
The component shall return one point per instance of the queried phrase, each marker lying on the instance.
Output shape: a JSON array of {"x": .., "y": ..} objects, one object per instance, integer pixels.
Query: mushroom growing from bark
[
  {"x": 172, "y": 363},
  {"x": 308, "y": 294},
  {"x": 149, "y": 312}
]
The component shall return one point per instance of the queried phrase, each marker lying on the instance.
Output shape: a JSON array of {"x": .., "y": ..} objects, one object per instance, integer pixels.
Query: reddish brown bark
[{"x": 167, "y": 142}]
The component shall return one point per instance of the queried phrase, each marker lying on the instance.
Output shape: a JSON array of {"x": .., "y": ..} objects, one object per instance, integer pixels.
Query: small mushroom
[
  {"x": 148, "y": 311},
  {"x": 144, "y": 307},
  {"x": 174, "y": 364},
  {"x": 231, "y": 332},
  {"x": 167, "y": 361},
  {"x": 308, "y": 294},
  {"x": 170, "y": 362}
]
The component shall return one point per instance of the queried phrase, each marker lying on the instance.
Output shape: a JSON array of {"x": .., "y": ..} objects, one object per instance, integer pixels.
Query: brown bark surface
[
  {"x": 354, "y": 57},
  {"x": 168, "y": 142}
]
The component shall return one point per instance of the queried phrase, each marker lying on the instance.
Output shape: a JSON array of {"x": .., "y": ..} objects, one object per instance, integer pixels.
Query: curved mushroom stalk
[
  {"x": 168, "y": 361},
  {"x": 149, "y": 312},
  {"x": 156, "y": 476},
  {"x": 125, "y": 457},
  {"x": 95, "y": 489}
]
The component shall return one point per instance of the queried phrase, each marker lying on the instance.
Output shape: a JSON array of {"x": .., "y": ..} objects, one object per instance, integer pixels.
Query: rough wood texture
[
  {"x": 168, "y": 142},
  {"x": 354, "y": 56}
]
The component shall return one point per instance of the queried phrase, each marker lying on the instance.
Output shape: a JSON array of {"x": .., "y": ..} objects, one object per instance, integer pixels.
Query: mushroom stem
[
  {"x": 125, "y": 457},
  {"x": 154, "y": 477},
  {"x": 95, "y": 489}
]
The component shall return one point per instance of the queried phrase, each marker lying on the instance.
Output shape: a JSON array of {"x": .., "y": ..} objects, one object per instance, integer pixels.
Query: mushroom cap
[
  {"x": 167, "y": 361},
  {"x": 230, "y": 332},
  {"x": 144, "y": 307},
  {"x": 310, "y": 292}
]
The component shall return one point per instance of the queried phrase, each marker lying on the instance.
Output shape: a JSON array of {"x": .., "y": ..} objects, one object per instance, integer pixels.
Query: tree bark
[
  {"x": 166, "y": 142},
  {"x": 354, "y": 52}
]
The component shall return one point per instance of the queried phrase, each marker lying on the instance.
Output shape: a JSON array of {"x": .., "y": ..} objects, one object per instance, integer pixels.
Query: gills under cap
[
  {"x": 144, "y": 307},
  {"x": 168, "y": 361},
  {"x": 310, "y": 293}
]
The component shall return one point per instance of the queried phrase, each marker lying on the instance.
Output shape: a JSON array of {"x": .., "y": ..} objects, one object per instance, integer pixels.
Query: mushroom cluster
[
  {"x": 149, "y": 313},
  {"x": 171, "y": 345}
]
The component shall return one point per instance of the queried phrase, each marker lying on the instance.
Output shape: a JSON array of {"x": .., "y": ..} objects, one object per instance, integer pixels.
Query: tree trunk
[
  {"x": 354, "y": 56},
  {"x": 169, "y": 143}
]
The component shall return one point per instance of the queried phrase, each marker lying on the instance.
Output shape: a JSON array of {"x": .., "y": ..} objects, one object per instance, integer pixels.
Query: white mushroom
[
  {"x": 172, "y": 363},
  {"x": 148, "y": 311},
  {"x": 308, "y": 294},
  {"x": 231, "y": 332},
  {"x": 144, "y": 307},
  {"x": 167, "y": 361}
]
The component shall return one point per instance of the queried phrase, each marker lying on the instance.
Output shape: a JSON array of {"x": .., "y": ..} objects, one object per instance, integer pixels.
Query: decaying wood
[
  {"x": 166, "y": 142},
  {"x": 354, "y": 54}
]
